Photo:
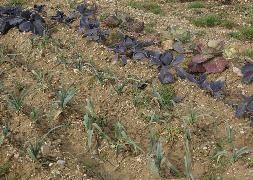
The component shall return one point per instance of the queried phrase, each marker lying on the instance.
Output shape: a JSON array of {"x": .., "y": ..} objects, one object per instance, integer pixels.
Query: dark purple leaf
[
  {"x": 247, "y": 71},
  {"x": 200, "y": 58},
  {"x": 250, "y": 107},
  {"x": 10, "y": 10},
  {"x": 218, "y": 64},
  {"x": 179, "y": 58},
  {"x": 124, "y": 60},
  {"x": 128, "y": 41},
  {"x": 139, "y": 55},
  {"x": 36, "y": 17},
  {"x": 196, "y": 68},
  {"x": 59, "y": 17},
  {"x": 88, "y": 24},
  {"x": 70, "y": 18},
  {"x": 25, "y": 26},
  {"x": 26, "y": 14},
  {"x": 217, "y": 88},
  {"x": 241, "y": 109},
  {"x": 84, "y": 22},
  {"x": 202, "y": 78},
  {"x": 165, "y": 76},
  {"x": 15, "y": 21},
  {"x": 155, "y": 57},
  {"x": 62, "y": 18},
  {"x": 217, "y": 85},
  {"x": 185, "y": 75},
  {"x": 4, "y": 26},
  {"x": 38, "y": 28},
  {"x": 166, "y": 58},
  {"x": 82, "y": 8},
  {"x": 154, "y": 54},
  {"x": 181, "y": 73}
]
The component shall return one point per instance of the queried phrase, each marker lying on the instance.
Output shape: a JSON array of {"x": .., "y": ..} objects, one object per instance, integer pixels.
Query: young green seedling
[
  {"x": 16, "y": 101},
  {"x": 34, "y": 149},
  {"x": 5, "y": 132},
  {"x": 123, "y": 139},
  {"x": 152, "y": 117},
  {"x": 90, "y": 120},
  {"x": 219, "y": 155},
  {"x": 65, "y": 95},
  {"x": 40, "y": 77},
  {"x": 157, "y": 156},
  {"x": 237, "y": 153},
  {"x": 35, "y": 115},
  {"x": 101, "y": 76},
  {"x": 187, "y": 156},
  {"x": 119, "y": 87},
  {"x": 230, "y": 136}
]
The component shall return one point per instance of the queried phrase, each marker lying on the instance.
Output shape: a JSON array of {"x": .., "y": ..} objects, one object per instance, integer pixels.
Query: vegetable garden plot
[{"x": 206, "y": 59}]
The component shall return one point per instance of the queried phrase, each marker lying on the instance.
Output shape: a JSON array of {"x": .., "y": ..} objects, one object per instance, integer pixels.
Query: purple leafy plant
[
  {"x": 247, "y": 71},
  {"x": 208, "y": 59}
]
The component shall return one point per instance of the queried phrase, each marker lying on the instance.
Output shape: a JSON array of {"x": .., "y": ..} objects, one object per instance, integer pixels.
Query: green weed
[
  {"x": 140, "y": 99},
  {"x": 207, "y": 21},
  {"x": 249, "y": 53},
  {"x": 149, "y": 28},
  {"x": 4, "y": 168},
  {"x": 245, "y": 33},
  {"x": 148, "y": 5},
  {"x": 250, "y": 162},
  {"x": 228, "y": 24},
  {"x": 164, "y": 96},
  {"x": 196, "y": 5},
  {"x": 17, "y": 2}
]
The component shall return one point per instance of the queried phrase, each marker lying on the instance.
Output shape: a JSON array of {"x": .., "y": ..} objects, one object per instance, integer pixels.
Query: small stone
[
  {"x": 61, "y": 163},
  {"x": 16, "y": 156}
]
